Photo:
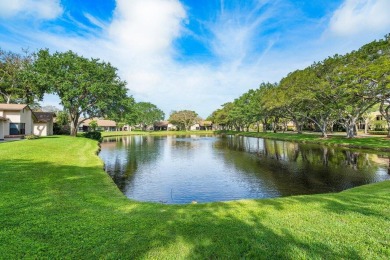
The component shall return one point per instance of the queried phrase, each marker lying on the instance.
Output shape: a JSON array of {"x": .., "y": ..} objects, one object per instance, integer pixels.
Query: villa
[{"x": 18, "y": 120}]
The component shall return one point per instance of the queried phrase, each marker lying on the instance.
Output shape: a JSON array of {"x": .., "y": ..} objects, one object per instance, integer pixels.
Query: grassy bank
[
  {"x": 379, "y": 143},
  {"x": 124, "y": 133},
  {"x": 57, "y": 202}
]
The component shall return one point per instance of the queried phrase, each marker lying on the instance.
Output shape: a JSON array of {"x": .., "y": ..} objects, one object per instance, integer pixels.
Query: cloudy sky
[{"x": 194, "y": 54}]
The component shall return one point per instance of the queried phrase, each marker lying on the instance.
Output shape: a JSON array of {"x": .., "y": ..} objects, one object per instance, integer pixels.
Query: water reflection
[{"x": 181, "y": 169}]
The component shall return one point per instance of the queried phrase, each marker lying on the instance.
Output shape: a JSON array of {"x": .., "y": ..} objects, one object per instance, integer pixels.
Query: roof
[
  {"x": 101, "y": 122},
  {"x": 12, "y": 106},
  {"x": 161, "y": 123},
  {"x": 44, "y": 117},
  {"x": 205, "y": 123}
]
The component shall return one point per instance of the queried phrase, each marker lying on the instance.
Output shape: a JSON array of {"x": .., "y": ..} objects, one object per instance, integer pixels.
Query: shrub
[
  {"x": 93, "y": 135},
  {"x": 61, "y": 129},
  {"x": 31, "y": 137},
  {"x": 377, "y": 132}
]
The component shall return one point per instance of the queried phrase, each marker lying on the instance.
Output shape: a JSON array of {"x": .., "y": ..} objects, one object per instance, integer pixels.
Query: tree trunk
[
  {"x": 366, "y": 121},
  {"x": 264, "y": 125},
  {"x": 297, "y": 125},
  {"x": 350, "y": 127},
  {"x": 323, "y": 130},
  {"x": 388, "y": 129},
  {"x": 73, "y": 128}
]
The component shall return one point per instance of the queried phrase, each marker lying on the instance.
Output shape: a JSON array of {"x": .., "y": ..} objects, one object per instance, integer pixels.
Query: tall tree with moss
[{"x": 86, "y": 87}]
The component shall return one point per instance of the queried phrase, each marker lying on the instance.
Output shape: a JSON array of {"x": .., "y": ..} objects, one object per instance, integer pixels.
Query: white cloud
[
  {"x": 146, "y": 26},
  {"x": 39, "y": 9},
  {"x": 359, "y": 17},
  {"x": 139, "y": 39},
  {"x": 140, "y": 43}
]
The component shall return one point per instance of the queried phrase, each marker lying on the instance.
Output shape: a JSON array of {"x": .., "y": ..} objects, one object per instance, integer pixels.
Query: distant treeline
[{"x": 339, "y": 90}]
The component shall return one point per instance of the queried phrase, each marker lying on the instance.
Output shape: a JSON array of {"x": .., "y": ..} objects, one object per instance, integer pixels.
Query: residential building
[
  {"x": 102, "y": 125},
  {"x": 44, "y": 124},
  {"x": 17, "y": 120}
]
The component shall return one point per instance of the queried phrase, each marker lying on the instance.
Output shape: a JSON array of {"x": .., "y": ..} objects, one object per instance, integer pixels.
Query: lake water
[{"x": 182, "y": 169}]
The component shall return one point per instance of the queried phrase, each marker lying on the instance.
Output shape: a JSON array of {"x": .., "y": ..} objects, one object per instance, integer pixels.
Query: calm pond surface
[{"x": 182, "y": 169}]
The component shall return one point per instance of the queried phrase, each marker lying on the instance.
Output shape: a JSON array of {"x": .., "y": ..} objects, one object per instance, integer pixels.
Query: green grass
[
  {"x": 57, "y": 202},
  {"x": 379, "y": 143},
  {"x": 124, "y": 133}
]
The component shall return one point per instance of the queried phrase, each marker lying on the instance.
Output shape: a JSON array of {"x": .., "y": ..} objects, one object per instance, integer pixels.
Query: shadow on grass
[{"x": 62, "y": 211}]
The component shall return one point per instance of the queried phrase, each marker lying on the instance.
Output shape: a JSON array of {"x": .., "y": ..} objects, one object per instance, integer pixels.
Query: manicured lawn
[
  {"x": 57, "y": 202},
  {"x": 381, "y": 143}
]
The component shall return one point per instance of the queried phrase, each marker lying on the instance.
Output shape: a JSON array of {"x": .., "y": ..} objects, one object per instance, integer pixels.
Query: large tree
[
  {"x": 87, "y": 88},
  {"x": 16, "y": 84},
  {"x": 146, "y": 113},
  {"x": 184, "y": 119}
]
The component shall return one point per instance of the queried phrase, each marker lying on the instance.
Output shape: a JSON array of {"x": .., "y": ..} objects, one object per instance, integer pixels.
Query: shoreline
[{"x": 373, "y": 143}]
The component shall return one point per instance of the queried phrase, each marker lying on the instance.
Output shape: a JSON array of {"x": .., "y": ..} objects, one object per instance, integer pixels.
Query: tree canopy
[
  {"x": 16, "y": 78},
  {"x": 145, "y": 113},
  {"x": 86, "y": 87},
  {"x": 338, "y": 90},
  {"x": 184, "y": 119}
]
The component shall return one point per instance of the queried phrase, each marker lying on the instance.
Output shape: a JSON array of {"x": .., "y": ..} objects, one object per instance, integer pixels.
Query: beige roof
[
  {"x": 12, "y": 106},
  {"x": 101, "y": 122}
]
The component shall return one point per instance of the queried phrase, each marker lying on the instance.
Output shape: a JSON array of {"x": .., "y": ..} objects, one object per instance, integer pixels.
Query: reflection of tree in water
[
  {"x": 122, "y": 156},
  {"x": 300, "y": 168}
]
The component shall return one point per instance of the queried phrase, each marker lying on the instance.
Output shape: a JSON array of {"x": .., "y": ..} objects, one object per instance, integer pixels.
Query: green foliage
[
  {"x": 338, "y": 90},
  {"x": 93, "y": 135},
  {"x": 378, "y": 132},
  {"x": 57, "y": 202},
  {"x": 16, "y": 78},
  {"x": 86, "y": 87},
  {"x": 144, "y": 114},
  {"x": 31, "y": 137},
  {"x": 93, "y": 125},
  {"x": 184, "y": 119}
]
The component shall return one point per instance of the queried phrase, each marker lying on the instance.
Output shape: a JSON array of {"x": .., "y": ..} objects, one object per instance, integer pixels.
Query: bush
[
  {"x": 61, "y": 129},
  {"x": 31, "y": 137},
  {"x": 93, "y": 135},
  {"x": 377, "y": 132}
]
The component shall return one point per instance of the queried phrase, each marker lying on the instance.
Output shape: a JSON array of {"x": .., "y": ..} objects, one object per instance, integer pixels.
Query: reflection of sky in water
[{"x": 194, "y": 168}]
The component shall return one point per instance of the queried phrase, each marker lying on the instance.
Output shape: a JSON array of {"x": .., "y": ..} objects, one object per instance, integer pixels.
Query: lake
[{"x": 184, "y": 169}]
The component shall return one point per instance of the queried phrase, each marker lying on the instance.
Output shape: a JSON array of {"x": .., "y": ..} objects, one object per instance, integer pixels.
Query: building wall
[
  {"x": 50, "y": 126},
  {"x": 23, "y": 116},
  {"x": 26, "y": 117},
  {"x": 40, "y": 129},
  {"x": 2, "y": 123}
]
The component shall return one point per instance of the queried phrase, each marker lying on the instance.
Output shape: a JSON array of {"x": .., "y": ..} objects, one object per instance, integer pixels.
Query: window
[{"x": 17, "y": 128}]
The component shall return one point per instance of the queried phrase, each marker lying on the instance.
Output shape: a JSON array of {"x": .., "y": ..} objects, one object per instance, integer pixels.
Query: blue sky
[{"x": 194, "y": 54}]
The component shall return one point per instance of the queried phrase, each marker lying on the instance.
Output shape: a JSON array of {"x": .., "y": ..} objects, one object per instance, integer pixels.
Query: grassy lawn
[
  {"x": 380, "y": 143},
  {"x": 57, "y": 202},
  {"x": 123, "y": 133}
]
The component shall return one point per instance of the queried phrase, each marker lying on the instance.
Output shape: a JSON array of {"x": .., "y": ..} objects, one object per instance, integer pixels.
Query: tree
[
  {"x": 50, "y": 108},
  {"x": 16, "y": 84},
  {"x": 93, "y": 125},
  {"x": 86, "y": 87},
  {"x": 360, "y": 76},
  {"x": 184, "y": 119},
  {"x": 146, "y": 113}
]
